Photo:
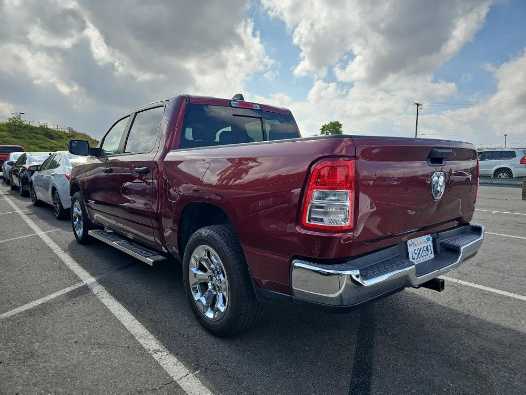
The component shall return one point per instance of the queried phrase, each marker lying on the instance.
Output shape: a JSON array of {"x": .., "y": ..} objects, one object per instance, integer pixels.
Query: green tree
[{"x": 334, "y": 127}]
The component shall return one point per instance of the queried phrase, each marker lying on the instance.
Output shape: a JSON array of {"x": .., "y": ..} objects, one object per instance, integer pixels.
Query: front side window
[
  {"x": 145, "y": 131},
  {"x": 112, "y": 141},
  {"x": 208, "y": 125},
  {"x": 45, "y": 164}
]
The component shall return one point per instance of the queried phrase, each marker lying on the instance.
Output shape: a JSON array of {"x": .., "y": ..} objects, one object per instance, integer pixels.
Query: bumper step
[
  {"x": 382, "y": 272},
  {"x": 129, "y": 247}
]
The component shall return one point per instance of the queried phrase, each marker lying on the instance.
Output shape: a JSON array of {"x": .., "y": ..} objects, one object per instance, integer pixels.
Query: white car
[
  {"x": 8, "y": 165},
  {"x": 50, "y": 183},
  {"x": 503, "y": 162}
]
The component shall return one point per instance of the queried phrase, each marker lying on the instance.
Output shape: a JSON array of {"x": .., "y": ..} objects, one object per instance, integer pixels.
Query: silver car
[
  {"x": 503, "y": 162},
  {"x": 8, "y": 165},
  {"x": 50, "y": 184}
]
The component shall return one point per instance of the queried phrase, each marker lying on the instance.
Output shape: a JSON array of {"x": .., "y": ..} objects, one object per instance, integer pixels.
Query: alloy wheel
[
  {"x": 208, "y": 282},
  {"x": 76, "y": 218}
]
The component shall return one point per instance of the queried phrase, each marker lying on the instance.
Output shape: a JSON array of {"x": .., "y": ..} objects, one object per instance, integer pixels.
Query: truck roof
[{"x": 226, "y": 102}]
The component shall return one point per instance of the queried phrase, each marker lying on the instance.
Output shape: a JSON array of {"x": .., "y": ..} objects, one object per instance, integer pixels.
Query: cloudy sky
[{"x": 82, "y": 63}]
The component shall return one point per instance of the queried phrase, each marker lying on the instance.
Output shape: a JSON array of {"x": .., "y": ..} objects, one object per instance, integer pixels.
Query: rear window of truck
[
  {"x": 210, "y": 125},
  {"x": 10, "y": 148}
]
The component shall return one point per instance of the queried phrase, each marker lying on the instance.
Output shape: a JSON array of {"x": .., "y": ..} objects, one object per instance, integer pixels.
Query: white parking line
[
  {"x": 29, "y": 235},
  {"x": 40, "y": 301},
  {"x": 488, "y": 289},
  {"x": 482, "y": 210},
  {"x": 169, "y": 362},
  {"x": 505, "y": 235},
  {"x": 13, "y": 212}
]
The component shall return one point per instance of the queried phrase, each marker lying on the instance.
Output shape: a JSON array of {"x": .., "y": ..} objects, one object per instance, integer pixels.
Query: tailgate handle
[{"x": 438, "y": 155}]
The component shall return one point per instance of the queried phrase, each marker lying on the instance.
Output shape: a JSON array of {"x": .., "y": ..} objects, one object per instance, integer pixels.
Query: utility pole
[
  {"x": 418, "y": 106},
  {"x": 505, "y": 140}
]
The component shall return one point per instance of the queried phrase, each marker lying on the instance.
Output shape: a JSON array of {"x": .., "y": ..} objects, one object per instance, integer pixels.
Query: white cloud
[
  {"x": 372, "y": 40},
  {"x": 503, "y": 112},
  {"x": 103, "y": 58},
  {"x": 384, "y": 55}
]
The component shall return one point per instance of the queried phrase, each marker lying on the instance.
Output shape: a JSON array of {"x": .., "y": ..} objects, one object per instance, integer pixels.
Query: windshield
[
  {"x": 36, "y": 159},
  {"x": 15, "y": 155}
]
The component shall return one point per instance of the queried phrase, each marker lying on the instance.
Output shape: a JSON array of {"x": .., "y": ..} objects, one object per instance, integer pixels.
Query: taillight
[
  {"x": 328, "y": 203},
  {"x": 68, "y": 176},
  {"x": 523, "y": 160}
]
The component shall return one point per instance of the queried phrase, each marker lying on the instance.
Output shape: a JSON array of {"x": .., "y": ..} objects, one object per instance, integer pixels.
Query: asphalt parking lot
[{"x": 130, "y": 329}]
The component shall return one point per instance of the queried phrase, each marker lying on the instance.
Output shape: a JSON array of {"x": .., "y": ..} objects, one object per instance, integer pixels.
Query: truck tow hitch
[{"x": 436, "y": 284}]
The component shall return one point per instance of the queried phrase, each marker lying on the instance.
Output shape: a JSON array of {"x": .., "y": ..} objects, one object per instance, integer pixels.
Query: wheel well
[
  {"x": 195, "y": 216},
  {"x": 506, "y": 169},
  {"x": 73, "y": 188}
]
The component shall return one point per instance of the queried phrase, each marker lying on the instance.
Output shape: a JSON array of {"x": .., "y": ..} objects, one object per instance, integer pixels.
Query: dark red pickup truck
[{"x": 254, "y": 211}]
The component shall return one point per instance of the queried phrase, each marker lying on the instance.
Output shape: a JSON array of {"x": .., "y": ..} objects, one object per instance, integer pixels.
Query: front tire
[
  {"x": 79, "y": 220},
  {"x": 217, "y": 282}
]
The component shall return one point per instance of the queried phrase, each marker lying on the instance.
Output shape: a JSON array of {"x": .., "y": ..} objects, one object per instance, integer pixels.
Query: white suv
[{"x": 503, "y": 162}]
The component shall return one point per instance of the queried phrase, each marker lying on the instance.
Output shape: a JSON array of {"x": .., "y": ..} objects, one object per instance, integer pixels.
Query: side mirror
[
  {"x": 79, "y": 147},
  {"x": 10, "y": 163},
  {"x": 34, "y": 168}
]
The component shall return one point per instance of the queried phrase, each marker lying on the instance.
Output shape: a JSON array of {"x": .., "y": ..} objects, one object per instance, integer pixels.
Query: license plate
[{"x": 420, "y": 249}]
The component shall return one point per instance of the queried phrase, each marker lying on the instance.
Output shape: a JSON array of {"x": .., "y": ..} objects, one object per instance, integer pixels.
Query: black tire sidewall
[
  {"x": 222, "y": 240},
  {"x": 60, "y": 212},
  {"x": 33, "y": 195}
]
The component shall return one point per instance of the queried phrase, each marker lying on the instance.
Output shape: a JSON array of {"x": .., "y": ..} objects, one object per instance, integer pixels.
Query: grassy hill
[{"x": 38, "y": 138}]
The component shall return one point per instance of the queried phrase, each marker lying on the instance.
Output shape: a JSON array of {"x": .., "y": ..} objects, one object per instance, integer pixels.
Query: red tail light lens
[
  {"x": 523, "y": 160},
  {"x": 328, "y": 203},
  {"x": 68, "y": 176}
]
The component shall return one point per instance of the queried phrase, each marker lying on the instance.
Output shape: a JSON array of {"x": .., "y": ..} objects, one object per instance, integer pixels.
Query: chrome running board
[{"x": 129, "y": 247}]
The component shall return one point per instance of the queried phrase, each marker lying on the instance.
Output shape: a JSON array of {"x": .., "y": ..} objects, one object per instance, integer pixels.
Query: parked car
[
  {"x": 8, "y": 164},
  {"x": 253, "y": 211},
  {"x": 24, "y": 168},
  {"x": 5, "y": 150},
  {"x": 50, "y": 183},
  {"x": 503, "y": 163}
]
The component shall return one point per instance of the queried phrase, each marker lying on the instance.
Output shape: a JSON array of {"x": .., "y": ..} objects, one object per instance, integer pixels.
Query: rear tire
[
  {"x": 213, "y": 254},
  {"x": 22, "y": 190},
  {"x": 33, "y": 196},
  {"x": 59, "y": 211},
  {"x": 503, "y": 173},
  {"x": 80, "y": 222}
]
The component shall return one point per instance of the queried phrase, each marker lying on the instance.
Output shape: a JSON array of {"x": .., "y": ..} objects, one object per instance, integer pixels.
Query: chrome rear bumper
[{"x": 379, "y": 273}]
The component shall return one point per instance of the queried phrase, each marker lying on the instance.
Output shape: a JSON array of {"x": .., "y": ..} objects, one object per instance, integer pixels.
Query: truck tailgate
[{"x": 395, "y": 185}]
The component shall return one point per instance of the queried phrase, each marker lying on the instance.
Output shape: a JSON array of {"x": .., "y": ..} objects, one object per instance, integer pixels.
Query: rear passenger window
[
  {"x": 508, "y": 155},
  {"x": 208, "y": 125},
  {"x": 145, "y": 131}
]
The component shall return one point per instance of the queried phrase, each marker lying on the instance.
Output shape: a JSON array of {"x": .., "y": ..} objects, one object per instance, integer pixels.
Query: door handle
[
  {"x": 107, "y": 170},
  {"x": 141, "y": 170}
]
